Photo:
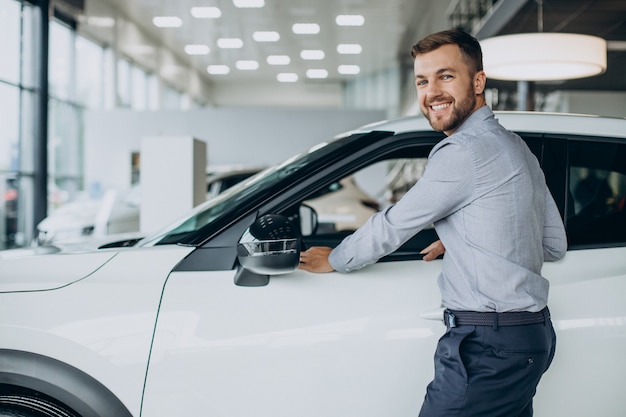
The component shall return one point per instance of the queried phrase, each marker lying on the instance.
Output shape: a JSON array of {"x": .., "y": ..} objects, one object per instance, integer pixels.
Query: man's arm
[
  {"x": 554, "y": 237},
  {"x": 315, "y": 259}
]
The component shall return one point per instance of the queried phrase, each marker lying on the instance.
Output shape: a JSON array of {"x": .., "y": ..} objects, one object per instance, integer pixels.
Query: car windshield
[{"x": 220, "y": 211}]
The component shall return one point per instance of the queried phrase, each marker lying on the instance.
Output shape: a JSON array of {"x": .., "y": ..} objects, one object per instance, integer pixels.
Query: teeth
[{"x": 440, "y": 106}]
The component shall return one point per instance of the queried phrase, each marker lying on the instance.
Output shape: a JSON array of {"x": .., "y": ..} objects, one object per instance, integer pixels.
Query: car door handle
[{"x": 434, "y": 314}]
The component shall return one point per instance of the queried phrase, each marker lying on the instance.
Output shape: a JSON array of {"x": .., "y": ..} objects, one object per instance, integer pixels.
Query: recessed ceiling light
[
  {"x": 197, "y": 49},
  {"x": 350, "y": 20},
  {"x": 218, "y": 69},
  {"x": 167, "y": 21},
  {"x": 317, "y": 73},
  {"x": 306, "y": 28},
  {"x": 266, "y": 36},
  {"x": 312, "y": 54},
  {"x": 348, "y": 69},
  {"x": 287, "y": 77},
  {"x": 229, "y": 43},
  {"x": 249, "y": 3},
  {"x": 349, "y": 48},
  {"x": 247, "y": 65},
  {"x": 278, "y": 60},
  {"x": 206, "y": 12}
]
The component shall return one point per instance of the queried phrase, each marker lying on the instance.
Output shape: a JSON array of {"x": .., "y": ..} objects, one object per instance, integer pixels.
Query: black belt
[{"x": 454, "y": 318}]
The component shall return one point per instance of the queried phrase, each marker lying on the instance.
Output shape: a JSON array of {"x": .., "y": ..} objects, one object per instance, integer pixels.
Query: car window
[
  {"x": 597, "y": 192},
  {"x": 345, "y": 204}
]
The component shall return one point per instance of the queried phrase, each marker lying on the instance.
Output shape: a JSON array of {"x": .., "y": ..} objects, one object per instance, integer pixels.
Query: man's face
[{"x": 447, "y": 91}]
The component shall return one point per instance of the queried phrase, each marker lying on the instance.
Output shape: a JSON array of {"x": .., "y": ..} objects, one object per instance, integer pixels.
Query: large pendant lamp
[{"x": 543, "y": 56}]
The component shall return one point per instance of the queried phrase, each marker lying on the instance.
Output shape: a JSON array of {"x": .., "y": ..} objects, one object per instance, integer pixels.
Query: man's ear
[{"x": 480, "y": 79}]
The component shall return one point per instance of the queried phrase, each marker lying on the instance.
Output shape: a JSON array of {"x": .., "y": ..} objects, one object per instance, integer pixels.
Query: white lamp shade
[{"x": 543, "y": 56}]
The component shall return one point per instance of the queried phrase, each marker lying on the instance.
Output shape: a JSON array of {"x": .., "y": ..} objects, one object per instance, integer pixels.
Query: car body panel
[
  {"x": 587, "y": 291},
  {"x": 305, "y": 344},
  {"x": 102, "y": 325},
  {"x": 46, "y": 272}
]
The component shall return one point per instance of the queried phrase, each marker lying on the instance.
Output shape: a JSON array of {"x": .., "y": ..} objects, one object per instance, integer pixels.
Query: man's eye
[
  {"x": 446, "y": 77},
  {"x": 420, "y": 83}
]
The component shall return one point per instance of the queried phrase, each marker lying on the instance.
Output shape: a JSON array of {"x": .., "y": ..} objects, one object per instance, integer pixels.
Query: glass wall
[
  {"x": 82, "y": 75},
  {"x": 16, "y": 115}
]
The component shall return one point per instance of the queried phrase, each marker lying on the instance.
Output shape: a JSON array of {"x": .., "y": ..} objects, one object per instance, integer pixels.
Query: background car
[
  {"x": 75, "y": 223},
  {"x": 211, "y": 316}
]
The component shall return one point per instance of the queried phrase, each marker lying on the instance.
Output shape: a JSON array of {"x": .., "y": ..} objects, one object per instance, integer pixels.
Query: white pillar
[{"x": 173, "y": 179}]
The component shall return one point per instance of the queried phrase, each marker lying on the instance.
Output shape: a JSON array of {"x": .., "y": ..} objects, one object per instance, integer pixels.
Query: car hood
[{"x": 50, "y": 271}]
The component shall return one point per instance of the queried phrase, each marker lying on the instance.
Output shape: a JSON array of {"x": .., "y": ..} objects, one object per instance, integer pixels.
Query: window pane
[
  {"x": 9, "y": 120},
  {"x": 65, "y": 147},
  {"x": 60, "y": 61},
  {"x": 10, "y": 46},
  {"x": 123, "y": 83},
  {"x": 89, "y": 59},
  {"x": 30, "y": 29},
  {"x": 139, "y": 84},
  {"x": 153, "y": 92},
  {"x": 108, "y": 79},
  {"x": 597, "y": 191}
]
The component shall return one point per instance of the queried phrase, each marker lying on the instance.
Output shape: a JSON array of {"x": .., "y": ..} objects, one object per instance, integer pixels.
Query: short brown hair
[{"x": 469, "y": 46}]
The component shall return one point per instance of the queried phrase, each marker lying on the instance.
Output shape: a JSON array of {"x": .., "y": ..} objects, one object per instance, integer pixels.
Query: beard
[{"x": 462, "y": 109}]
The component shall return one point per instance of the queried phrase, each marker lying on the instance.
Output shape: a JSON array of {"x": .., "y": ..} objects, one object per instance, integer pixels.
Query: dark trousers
[{"x": 489, "y": 372}]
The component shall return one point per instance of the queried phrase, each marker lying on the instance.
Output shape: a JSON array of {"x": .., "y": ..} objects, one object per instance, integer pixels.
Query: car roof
[{"x": 520, "y": 121}]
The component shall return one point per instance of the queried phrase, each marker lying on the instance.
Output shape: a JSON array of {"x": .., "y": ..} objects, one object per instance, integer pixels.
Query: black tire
[{"x": 16, "y": 402}]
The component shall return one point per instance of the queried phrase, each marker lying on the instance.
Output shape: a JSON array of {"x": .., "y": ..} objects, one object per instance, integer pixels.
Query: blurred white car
[
  {"x": 211, "y": 317},
  {"x": 77, "y": 222}
]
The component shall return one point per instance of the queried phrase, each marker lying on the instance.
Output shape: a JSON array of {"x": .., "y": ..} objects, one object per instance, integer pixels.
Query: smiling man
[{"x": 486, "y": 195}]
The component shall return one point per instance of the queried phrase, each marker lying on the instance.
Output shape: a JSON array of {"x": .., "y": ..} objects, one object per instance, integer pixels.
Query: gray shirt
[{"x": 486, "y": 195}]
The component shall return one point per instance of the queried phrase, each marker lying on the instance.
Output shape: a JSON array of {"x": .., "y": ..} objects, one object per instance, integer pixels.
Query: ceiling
[
  {"x": 380, "y": 37},
  {"x": 390, "y": 28}
]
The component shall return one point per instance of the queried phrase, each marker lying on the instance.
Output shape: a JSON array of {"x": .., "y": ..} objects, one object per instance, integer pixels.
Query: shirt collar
[{"x": 475, "y": 119}]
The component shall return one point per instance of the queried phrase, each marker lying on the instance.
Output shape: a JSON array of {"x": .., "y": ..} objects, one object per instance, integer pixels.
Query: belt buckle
[{"x": 451, "y": 320}]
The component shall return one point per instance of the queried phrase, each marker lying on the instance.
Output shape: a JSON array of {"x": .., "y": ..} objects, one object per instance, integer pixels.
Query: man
[{"x": 486, "y": 194}]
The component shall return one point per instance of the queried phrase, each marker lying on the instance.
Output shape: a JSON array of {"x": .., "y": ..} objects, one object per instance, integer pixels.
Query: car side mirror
[
  {"x": 308, "y": 220},
  {"x": 270, "y": 246}
]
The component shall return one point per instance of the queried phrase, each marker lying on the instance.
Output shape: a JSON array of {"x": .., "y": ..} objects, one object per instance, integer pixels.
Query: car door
[
  {"x": 587, "y": 175},
  {"x": 304, "y": 344}
]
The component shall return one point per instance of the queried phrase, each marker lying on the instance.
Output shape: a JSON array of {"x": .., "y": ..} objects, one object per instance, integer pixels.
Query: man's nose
[{"x": 433, "y": 89}]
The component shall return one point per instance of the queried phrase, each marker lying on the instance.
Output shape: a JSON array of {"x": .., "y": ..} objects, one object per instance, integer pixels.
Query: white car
[
  {"x": 85, "y": 219},
  {"x": 211, "y": 317}
]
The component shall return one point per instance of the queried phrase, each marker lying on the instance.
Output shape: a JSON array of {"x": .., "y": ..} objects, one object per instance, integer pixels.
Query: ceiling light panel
[
  {"x": 266, "y": 36},
  {"x": 349, "y": 49},
  {"x": 218, "y": 69},
  {"x": 278, "y": 60},
  {"x": 306, "y": 28},
  {"x": 348, "y": 69},
  {"x": 247, "y": 65},
  {"x": 287, "y": 77},
  {"x": 312, "y": 54},
  {"x": 206, "y": 12},
  {"x": 167, "y": 21},
  {"x": 229, "y": 43},
  {"x": 245, "y": 4},
  {"x": 350, "y": 20},
  {"x": 197, "y": 49},
  {"x": 317, "y": 73}
]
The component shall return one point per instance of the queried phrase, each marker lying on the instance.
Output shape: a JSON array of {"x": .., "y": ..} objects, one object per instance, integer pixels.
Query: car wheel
[{"x": 26, "y": 403}]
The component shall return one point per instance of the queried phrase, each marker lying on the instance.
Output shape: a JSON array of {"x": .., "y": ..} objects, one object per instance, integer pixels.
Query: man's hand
[
  {"x": 433, "y": 250},
  {"x": 315, "y": 259}
]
